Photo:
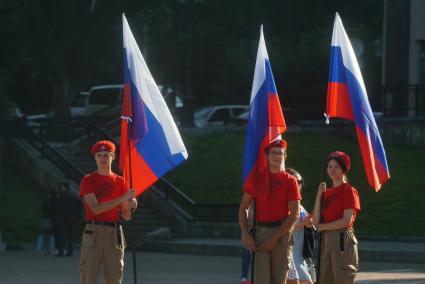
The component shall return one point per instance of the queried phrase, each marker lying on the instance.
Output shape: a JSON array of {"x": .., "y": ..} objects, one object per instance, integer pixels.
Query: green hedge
[
  {"x": 20, "y": 207},
  {"x": 212, "y": 174}
]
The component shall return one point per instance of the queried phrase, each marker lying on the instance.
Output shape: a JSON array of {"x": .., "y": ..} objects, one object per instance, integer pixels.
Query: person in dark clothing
[
  {"x": 55, "y": 216},
  {"x": 70, "y": 215},
  {"x": 46, "y": 232}
]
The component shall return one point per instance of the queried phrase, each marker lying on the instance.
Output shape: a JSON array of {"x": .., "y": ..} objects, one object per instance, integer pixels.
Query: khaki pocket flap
[{"x": 352, "y": 238}]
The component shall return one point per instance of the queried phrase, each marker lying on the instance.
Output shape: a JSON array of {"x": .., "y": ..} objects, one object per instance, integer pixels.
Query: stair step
[
  {"x": 138, "y": 221},
  {"x": 149, "y": 215},
  {"x": 145, "y": 226},
  {"x": 156, "y": 224},
  {"x": 145, "y": 210}
]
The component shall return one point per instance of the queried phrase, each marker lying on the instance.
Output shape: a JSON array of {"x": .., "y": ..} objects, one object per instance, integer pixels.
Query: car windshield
[
  {"x": 79, "y": 100},
  {"x": 239, "y": 110},
  {"x": 244, "y": 115},
  {"x": 202, "y": 112},
  {"x": 105, "y": 96}
]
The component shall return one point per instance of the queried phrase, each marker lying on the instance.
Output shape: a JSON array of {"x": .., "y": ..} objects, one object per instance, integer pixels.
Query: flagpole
[
  {"x": 325, "y": 144},
  {"x": 133, "y": 249},
  {"x": 254, "y": 227}
]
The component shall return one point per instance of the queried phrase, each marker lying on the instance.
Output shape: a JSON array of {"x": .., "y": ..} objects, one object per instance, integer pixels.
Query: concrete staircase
[{"x": 145, "y": 225}]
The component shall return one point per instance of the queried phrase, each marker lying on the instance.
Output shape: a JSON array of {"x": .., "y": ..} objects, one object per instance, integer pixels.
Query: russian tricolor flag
[
  {"x": 265, "y": 123},
  {"x": 347, "y": 98},
  {"x": 154, "y": 145}
]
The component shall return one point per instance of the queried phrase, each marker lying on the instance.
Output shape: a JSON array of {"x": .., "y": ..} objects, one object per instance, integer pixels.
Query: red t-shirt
[
  {"x": 282, "y": 188},
  {"x": 336, "y": 199},
  {"x": 105, "y": 188}
]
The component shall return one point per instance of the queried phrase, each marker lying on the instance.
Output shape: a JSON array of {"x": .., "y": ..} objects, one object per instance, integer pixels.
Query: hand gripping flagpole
[
  {"x": 133, "y": 249},
  {"x": 325, "y": 144},
  {"x": 319, "y": 249}
]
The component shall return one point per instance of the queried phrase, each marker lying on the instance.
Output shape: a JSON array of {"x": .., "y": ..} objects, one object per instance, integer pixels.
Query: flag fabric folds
[
  {"x": 347, "y": 99},
  {"x": 154, "y": 145},
  {"x": 265, "y": 123}
]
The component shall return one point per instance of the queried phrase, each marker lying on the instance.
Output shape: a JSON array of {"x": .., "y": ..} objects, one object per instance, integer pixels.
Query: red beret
[
  {"x": 276, "y": 143},
  {"x": 104, "y": 145},
  {"x": 343, "y": 156}
]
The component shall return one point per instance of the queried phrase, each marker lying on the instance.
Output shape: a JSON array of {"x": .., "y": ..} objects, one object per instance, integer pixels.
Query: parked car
[
  {"x": 218, "y": 115},
  {"x": 78, "y": 104},
  {"x": 104, "y": 100},
  {"x": 14, "y": 113},
  {"x": 241, "y": 119}
]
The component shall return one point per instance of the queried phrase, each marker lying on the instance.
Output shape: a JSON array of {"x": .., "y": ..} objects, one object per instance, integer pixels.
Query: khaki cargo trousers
[
  {"x": 272, "y": 267},
  {"x": 339, "y": 260},
  {"x": 101, "y": 243}
]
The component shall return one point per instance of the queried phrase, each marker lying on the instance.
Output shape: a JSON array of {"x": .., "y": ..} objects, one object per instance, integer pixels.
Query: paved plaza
[{"x": 161, "y": 268}]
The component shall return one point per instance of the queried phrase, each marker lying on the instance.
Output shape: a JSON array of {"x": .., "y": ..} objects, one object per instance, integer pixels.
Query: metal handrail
[
  {"x": 178, "y": 191},
  {"x": 83, "y": 122},
  {"x": 414, "y": 104},
  {"x": 50, "y": 153}
]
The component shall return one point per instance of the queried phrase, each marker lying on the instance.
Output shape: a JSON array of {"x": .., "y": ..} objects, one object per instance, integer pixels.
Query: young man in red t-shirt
[
  {"x": 338, "y": 207},
  {"x": 106, "y": 198},
  {"x": 275, "y": 217}
]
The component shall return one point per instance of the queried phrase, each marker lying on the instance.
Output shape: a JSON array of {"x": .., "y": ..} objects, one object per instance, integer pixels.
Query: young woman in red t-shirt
[{"x": 334, "y": 213}]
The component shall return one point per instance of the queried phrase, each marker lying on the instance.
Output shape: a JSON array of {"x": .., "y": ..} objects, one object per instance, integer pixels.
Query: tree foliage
[{"x": 206, "y": 48}]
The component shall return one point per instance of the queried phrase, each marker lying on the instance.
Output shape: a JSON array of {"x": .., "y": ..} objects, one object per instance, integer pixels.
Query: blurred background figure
[
  {"x": 45, "y": 233},
  {"x": 246, "y": 255},
  {"x": 299, "y": 269},
  {"x": 69, "y": 214}
]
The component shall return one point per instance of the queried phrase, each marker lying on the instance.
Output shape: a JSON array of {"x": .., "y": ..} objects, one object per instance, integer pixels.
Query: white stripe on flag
[
  {"x": 260, "y": 66},
  {"x": 340, "y": 38},
  {"x": 142, "y": 79}
]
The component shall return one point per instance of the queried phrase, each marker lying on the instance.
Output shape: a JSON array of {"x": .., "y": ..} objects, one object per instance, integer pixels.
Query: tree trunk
[{"x": 61, "y": 105}]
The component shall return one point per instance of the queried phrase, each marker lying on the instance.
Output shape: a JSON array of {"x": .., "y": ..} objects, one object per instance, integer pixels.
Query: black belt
[
  {"x": 270, "y": 224},
  {"x": 110, "y": 224}
]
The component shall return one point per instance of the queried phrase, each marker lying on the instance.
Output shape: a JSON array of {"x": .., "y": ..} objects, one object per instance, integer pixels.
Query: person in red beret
[
  {"x": 335, "y": 210},
  {"x": 106, "y": 199},
  {"x": 275, "y": 217}
]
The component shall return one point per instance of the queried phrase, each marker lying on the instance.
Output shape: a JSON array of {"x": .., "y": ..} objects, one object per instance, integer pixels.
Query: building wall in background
[
  {"x": 403, "y": 63},
  {"x": 417, "y": 41}
]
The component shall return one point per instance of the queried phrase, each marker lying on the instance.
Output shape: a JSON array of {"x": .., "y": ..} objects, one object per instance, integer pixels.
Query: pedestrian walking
[{"x": 299, "y": 271}]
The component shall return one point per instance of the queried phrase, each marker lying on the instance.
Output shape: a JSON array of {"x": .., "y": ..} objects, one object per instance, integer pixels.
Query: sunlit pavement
[
  {"x": 397, "y": 273},
  {"x": 161, "y": 268}
]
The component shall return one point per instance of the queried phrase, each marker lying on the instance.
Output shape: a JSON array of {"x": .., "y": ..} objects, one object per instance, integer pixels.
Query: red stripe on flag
[
  {"x": 277, "y": 123},
  {"x": 375, "y": 171},
  {"x": 123, "y": 145},
  {"x": 338, "y": 101},
  {"x": 141, "y": 174},
  {"x": 126, "y": 104},
  {"x": 257, "y": 182}
]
